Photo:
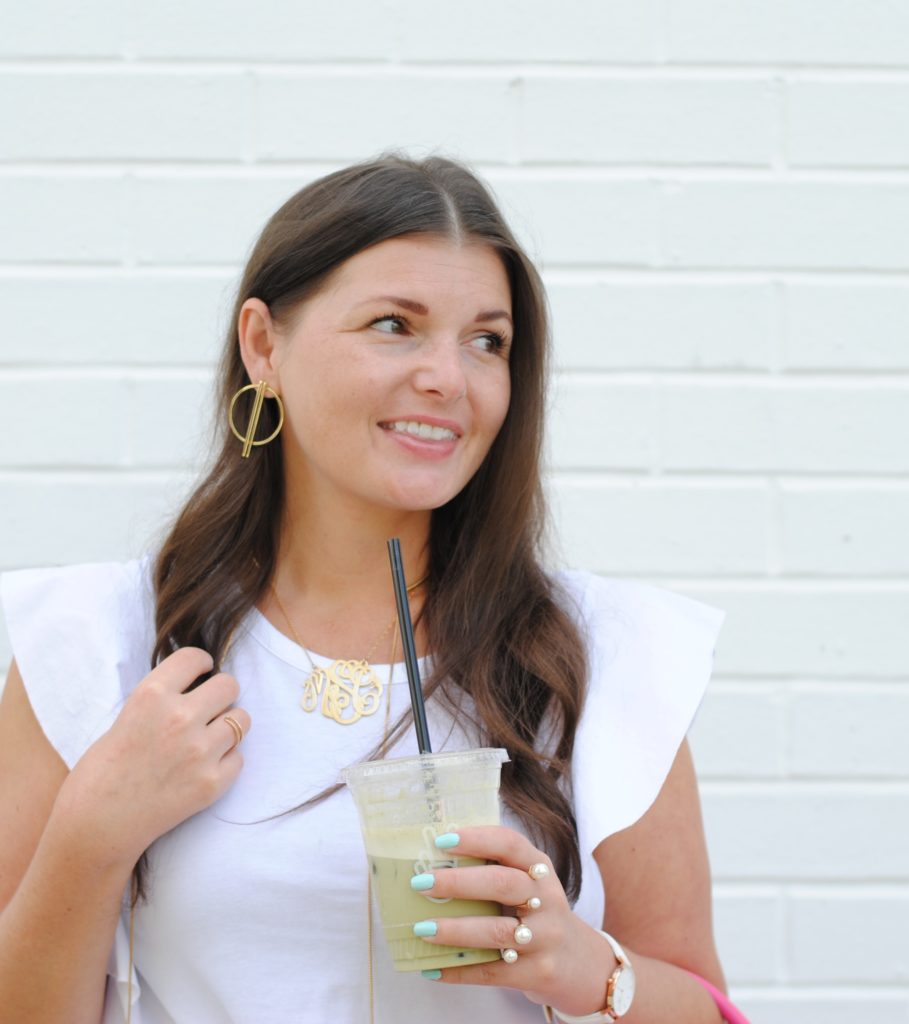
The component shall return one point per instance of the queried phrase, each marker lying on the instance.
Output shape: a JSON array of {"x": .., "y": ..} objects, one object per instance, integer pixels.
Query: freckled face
[{"x": 395, "y": 377}]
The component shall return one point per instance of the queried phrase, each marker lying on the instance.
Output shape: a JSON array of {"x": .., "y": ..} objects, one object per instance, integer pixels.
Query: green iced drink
[{"x": 404, "y": 804}]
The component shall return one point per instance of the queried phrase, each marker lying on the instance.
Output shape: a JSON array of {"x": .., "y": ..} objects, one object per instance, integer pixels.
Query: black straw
[{"x": 410, "y": 648}]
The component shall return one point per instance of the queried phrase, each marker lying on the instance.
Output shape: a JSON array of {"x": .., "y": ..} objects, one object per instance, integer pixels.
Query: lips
[{"x": 422, "y": 430}]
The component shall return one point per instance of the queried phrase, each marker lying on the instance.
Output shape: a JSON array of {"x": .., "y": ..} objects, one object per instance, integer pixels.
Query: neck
[{"x": 338, "y": 555}]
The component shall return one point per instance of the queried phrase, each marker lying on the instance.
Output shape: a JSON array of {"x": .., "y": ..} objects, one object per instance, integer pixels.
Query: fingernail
[
  {"x": 421, "y": 883},
  {"x": 432, "y": 975},
  {"x": 425, "y": 929},
  {"x": 447, "y": 841}
]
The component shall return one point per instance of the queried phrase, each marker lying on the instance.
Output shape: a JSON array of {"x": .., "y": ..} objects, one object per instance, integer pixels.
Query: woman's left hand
[{"x": 565, "y": 963}]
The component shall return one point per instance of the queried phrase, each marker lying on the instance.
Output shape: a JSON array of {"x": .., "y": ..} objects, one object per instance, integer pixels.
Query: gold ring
[
  {"x": 538, "y": 871},
  {"x": 236, "y": 729},
  {"x": 510, "y": 956},
  {"x": 522, "y": 934},
  {"x": 534, "y": 903}
]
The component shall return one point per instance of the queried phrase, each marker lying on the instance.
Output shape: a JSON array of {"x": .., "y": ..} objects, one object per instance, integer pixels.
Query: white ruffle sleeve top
[{"x": 251, "y": 921}]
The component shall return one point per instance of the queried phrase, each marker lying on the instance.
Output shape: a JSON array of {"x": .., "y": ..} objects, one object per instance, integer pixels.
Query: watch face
[{"x": 623, "y": 992}]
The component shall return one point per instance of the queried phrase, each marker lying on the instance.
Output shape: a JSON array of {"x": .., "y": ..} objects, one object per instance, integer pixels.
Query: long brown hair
[{"x": 489, "y": 605}]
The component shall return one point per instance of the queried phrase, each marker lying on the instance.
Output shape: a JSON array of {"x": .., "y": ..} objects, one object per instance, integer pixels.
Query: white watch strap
[
  {"x": 602, "y": 1017},
  {"x": 616, "y": 948},
  {"x": 551, "y": 1017}
]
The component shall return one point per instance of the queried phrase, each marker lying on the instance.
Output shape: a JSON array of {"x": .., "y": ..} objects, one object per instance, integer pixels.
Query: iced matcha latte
[{"x": 404, "y": 804}]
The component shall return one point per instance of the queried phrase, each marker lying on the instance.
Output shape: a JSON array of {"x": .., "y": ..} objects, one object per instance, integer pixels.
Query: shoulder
[
  {"x": 79, "y": 601},
  {"x": 82, "y": 637},
  {"x": 620, "y": 616},
  {"x": 94, "y": 581},
  {"x": 650, "y": 657}
]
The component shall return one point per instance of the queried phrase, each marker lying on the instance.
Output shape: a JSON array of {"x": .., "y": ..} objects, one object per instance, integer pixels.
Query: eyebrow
[{"x": 421, "y": 310}]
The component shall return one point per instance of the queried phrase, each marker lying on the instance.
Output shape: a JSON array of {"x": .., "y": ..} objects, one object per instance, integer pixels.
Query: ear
[{"x": 258, "y": 341}]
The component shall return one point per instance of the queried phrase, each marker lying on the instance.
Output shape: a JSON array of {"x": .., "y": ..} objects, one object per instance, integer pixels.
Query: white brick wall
[{"x": 718, "y": 191}]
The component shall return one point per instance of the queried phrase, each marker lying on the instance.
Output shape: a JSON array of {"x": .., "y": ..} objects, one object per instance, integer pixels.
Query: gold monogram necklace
[{"x": 348, "y": 689}]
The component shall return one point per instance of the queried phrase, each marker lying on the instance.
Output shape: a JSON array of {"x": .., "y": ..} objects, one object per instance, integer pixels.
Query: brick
[
  {"x": 806, "y": 831},
  {"x": 749, "y": 930},
  {"x": 823, "y": 929},
  {"x": 66, "y": 519},
  {"x": 802, "y": 225},
  {"x": 784, "y": 426},
  {"x": 169, "y": 420},
  {"x": 829, "y": 529},
  {"x": 209, "y": 220},
  {"x": 82, "y": 421},
  {"x": 740, "y": 732},
  {"x": 172, "y": 220},
  {"x": 62, "y": 219},
  {"x": 348, "y": 117},
  {"x": 115, "y": 116},
  {"x": 846, "y": 124},
  {"x": 63, "y": 421},
  {"x": 821, "y": 1007},
  {"x": 182, "y": 220},
  {"x": 614, "y": 325},
  {"x": 113, "y": 319},
  {"x": 70, "y": 519},
  {"x": 652, "y": 526},
  {"x": 592, "y": 425},
  {"x": 668, "y": 121},
  {"x": 582, "y": 220},
  {"x": 511, "y": 30},
  {"x": 849, "y": 731},
  {"x": 45, "y": 28},
  {"x": 219, "y": 29},
  {"x": 781, "y": 32},
  {"x": 773, "y": 630},
  {"x": 845, "y": 325}
]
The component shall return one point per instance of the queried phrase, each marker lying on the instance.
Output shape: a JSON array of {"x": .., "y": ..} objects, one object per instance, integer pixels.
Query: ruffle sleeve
[
  {"x": 82, "y": 637},
  {"x": 650, "y": 658}
]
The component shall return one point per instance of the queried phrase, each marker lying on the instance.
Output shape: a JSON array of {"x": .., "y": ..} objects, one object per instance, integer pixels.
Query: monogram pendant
[{"x": 346, "y": 691}]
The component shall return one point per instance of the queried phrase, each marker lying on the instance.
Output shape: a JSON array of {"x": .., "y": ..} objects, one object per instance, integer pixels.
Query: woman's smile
[{"x": 426, "y": 437}]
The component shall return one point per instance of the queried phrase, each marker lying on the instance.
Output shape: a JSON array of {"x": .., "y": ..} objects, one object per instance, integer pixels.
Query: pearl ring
[{"x": 534, "y": 903}]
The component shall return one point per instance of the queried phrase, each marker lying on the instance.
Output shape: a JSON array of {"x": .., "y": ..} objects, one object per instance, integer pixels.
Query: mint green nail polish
[
  {"x": 425, "y": 929},
  {"x": 432, "y": 975},
  {"x": 447, "y": 841},
  {"x": 420, "y": 883}
]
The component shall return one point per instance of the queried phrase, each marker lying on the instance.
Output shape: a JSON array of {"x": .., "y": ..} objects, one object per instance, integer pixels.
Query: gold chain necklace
[{"x": 348, "y": 689}]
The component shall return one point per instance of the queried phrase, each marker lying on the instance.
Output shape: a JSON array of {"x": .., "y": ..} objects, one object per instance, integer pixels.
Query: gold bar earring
[{"x": 248, "y": 438}]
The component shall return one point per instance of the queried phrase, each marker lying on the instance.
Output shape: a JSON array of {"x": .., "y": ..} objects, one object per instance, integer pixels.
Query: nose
[{"x": 441, "y": 370}]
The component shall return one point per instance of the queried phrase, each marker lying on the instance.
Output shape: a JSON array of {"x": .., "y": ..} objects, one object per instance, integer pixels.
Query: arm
[
  {"x": 656, "y": 878},
  {"x": 44, "y": 891},
  {"x": 70, "y": 839}
]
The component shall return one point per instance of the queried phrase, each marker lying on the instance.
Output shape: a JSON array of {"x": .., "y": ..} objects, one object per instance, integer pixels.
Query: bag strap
[{"x": 731, "y": 1014}]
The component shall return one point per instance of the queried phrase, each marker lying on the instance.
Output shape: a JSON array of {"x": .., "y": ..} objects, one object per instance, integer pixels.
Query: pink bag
[{"x": 730, "y": 1014}]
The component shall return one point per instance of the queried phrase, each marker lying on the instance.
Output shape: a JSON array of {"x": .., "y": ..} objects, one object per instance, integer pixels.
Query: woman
[{"x": 390, "y": 336}]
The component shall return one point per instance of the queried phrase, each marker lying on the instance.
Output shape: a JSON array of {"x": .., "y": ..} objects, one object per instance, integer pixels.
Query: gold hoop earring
[{"x": 247, "y": 438}]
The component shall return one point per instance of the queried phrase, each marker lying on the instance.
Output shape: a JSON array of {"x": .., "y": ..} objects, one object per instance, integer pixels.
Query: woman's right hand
[{"x": 168, "y": 755}]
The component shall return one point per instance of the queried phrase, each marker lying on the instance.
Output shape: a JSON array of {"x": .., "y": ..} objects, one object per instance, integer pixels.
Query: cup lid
[{"x": 478, "y": 756}]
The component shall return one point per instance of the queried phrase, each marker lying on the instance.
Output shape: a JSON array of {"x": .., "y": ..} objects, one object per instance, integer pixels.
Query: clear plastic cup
[{"x": 404, "y": 804}]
